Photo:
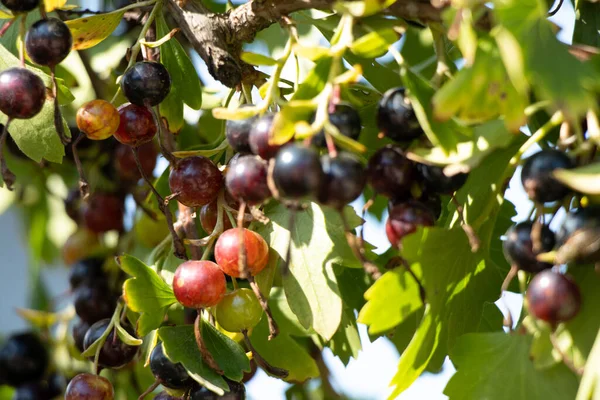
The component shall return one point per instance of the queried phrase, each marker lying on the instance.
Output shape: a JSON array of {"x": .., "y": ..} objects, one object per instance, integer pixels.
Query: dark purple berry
[
  {"x": 114, "y": 353},
  {"x": 146, "y": 83},
  {"x": 246, "y": 180},
  {"x": 21, "y": 5},
  {"x": 259, "y": 137},
  {"x": 579, "y": 236},
  {"x": 345, "y": 179},
  {"x": 94, "y": 301},
  {"x": 169, "y": 374},
  {"x": 577, "y": 220},
  {"x": 346, "y": 120},
  {"x": 537, "y": 179},
  {"x": 22, "y": 93},
  {"x": 23, "y": 359},
  {"x": 196, "y": 180},
  {"x": 390, "y": 173},
  {"x": 79, "y": 331},
  {"x": 86, "y": 271},
  {"x": 396, "y": 117},
  {"x": 405, "y": 218},
  {"x": 553, "y": 297},
  {"x": 436, "y": 181},
  {"x": 48, "y": 42},
  {"x": 297, "y": 172},
  {"x": 104, "y": 212},
  {"x": 238, "y": 134},
  {"x": 518, "y": 247}
]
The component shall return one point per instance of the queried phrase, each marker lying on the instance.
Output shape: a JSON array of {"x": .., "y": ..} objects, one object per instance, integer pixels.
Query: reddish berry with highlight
[
  {"x": 227, "y": 252},
  {"x": 199, "y": 284},
  {"x": 98, "y": 119},
  {"x": 136, "y": 125}
]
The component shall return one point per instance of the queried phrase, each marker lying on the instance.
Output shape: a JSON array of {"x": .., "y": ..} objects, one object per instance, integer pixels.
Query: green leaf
[
  {"x": 183, "y": 74},
  {"x": 374, "y": 44},
  {"x": 590, "y": 382},
  {"x": 257, "y": 59},
  {"x": 392, "y": 298},
  {"x": 39, "y": 319},
  {"x": 315, "y": 80},
  {"x": 346, "y": 342},
  {"x": 284, "y": 351},
  {"x": 584, "y": 179},
  {"x": 497, "y": 366},
  {"x": 229, "y": 355},
  {"x": 171, "y": 109},
  {"x": 180, "y": 346},
  {"x": 363, "y": 8},
  {"x": 146, "y": 293},
  {"x": 89, "y": 31},
  {"x": 284, "y": 123},
  {"x": 318, "y": 241},
  {"x": 127, "y": 338},
  {"x": 587, "y": 23}
]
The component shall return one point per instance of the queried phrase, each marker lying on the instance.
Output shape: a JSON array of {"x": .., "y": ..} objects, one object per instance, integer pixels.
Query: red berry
[
  {"x": 227, "y": 252},
  {"x": 199, "y": 284},
  {"x": 98, "y": 119},
  {"x": 136, "y": 125},
  {"x": 89, "y": 387},
  {"x": 104, "y": 212},
  {"x": 405, "y": 218},
  {"x": 553, "y": 297},
  {"x": 197, "y": 180},
  {"x": 124, "y": 162}
]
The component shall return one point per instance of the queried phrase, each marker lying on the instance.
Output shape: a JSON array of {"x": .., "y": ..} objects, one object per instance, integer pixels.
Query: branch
[{"x": 218, "y": 38}]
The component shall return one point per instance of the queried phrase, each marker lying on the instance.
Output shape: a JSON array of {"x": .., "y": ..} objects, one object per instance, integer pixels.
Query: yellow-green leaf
[
  {"x": 257, "y": 59},
  {"x": 374, "y": 44},
  {"x": 584, "y": 179},
  {"x": 51, "y": 5},
  {"x": 89, "y": 31}
]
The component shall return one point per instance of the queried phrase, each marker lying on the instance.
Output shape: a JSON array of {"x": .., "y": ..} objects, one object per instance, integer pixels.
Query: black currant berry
[
  {"x": 297, "y": 172},
  {"x": 537, "y": 179},
  {"x": 238, "y": 134},
  {"x": 169, "y": 374},
  {"x": 48, "y": 42},
  {"x": 104, "y": 212},
  {"x": 345, "y": 179},
  {"x": 553, "y": 297},
  {"x": 259, "y": 137},
  {"x": 114, "y": 353},
  {"x": 146, "y": 83},
  {"x": 196, "y": 180},
  {"x": 518, "y": 247},
  {"x": 578, "y": 219},
  {"x": 390, "y": 172},
  {"x": 22, "y": 93},
  {"x": 436, "y": 181},
  {"x": 88, "y": 387},
  {"x": 21, "y": 5},
  {"x": 237, "y": 391},
  {"x": 247, "y": 180},
  {"x": 346, "y": 120},
  {"x": 34, "y": 391},
  {"x": 579, "y": 236},
  {"x": 94, "y": 302},
  {"x": 86, "y": 271},
  {"x": 23, "y": 359},
  {"x": 396, "y": 117},
  {"x": 124, "y": 161},
  {"x": 164, "y": 395},
  {"x": 430, "y": 200},
  {"x": 79, "y": 331},
  {"x": 405, "y": 218}
]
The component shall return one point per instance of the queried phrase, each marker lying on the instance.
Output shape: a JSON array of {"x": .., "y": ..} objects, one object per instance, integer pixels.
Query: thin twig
[
  {"x": 275, "y": 371},
  {"x": 469, "y": 231},
  {"x": 358, "y": 249},
  {"x": 206, "y": 356},
  {"x": 509, "y": 322},
  {"x": 163, "y": 149},
  {"x": 7, "y": 175},
  {"x": 565, "y": 358},
  {"x": 6, "y": 26},
  {"x": 186, "y": 216},
  {"x": 242, "y": 255},
  {"x": 273, "y": 328},
  {"x": 83, "y": 183},
  {"x": 149, "y": 390}
]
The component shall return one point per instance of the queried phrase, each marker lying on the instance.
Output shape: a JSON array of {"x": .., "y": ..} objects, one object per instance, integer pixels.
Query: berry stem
[
  {"x": 234, "y": 283},
  {"x": 149, "y": 390},
  {"x": 139, "y": 202},
  {"x": 206, "y": 356},
  {"x": 566, "y": 359},
  {"x": 275, "y": 371},
  {"x": 469, "y": 231},
  {"x": 6, "y": 26},
  {"x": 273, "y": 328},
  {"x": 509, "y": 321},
  {"x": 7, "y": 175},
  {"x": 58, "y": 120},
  {"x": 186, "y": 216},
  {"x": 22, "y": 33},
  {"x": 159, "y": 125},
  {"x": 83, "y": 183},
  {"x": 164, "y": 208},
  {"x": 242, "y": 264}
]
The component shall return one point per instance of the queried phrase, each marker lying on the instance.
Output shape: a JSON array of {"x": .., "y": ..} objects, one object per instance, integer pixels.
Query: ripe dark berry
[
  {"x": 579, "y": 237},
  {"x": 87, "y": 271},
  {"x": 34, "y": 391},
  {"x": 298, "y": 173},
  {"x": 537, "y": 179},
  {"x": 436, "y": 181},
  {"x": 238, "y": 134},
  {"x": 237, "y": 391},
  {"x": 73, "y": 204},
  {"x": 104, "y": 212},
  {"x": 518, "y": 247},
  {"x": 396, "y": 117},
  {"x": 430, "y": 200},
  {"x": 208, "y": 218},
  {"x": 345, "y": 179},
  {"x": 136, "y": 125},
  {"x": 169, "y": 374},
  {"x": 22, "y": 93},
  {"x": 146, "y": 83},
  {"x": 239, "y": 310},
  {"x": 390, "y": 172},
  {"x": 89, "y": 387},
  {"x": 79, "y": 331},
  {"x": 199, "y": 284},
  {"x": 94, "y": 301},
  {"x": 23, "y": 358},
  {"x": 553, "y": 297},
  {"x": 259, "y": 137},
  {"x": 227, "y": 252},
  {"x": 48, "y": 42},
  {"x": 577, "y": 220},
  {"x": 98, "y": 119},
  {"x": 405, "y": 218},
  {"x": 21, "y": 5},
  {"x": 346, "y": 120},
  {"x": 197, "y": 180},
  {"x": 247, "y": 180},
  {"x": 114, "y": 353},
  {"x": 124, "y": 162}
]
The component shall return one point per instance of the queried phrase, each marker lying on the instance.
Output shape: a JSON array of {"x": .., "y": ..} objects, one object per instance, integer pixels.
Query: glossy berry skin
[
  {"x": 405, "y": 218},
  {"x": 537, "y": 179},
  {"x": 237, "y": 391},
  {"x": 518, "y": 247},
  {"x": 79, "y": 331},
  {"x": 580, "y": 234},
  {"x": 48, "y": 42},
  {"x": 396, "y": 118},
  {"x": 23, "y": 358},
  {"x": 114, "y": 353},
  {"x": 390, "y": 173},
  {"x": 169, "y": 374},
  {"x": 436, "y": 181},
  {"x": 136, "y": 125},
  {"x": 197, "y": 180},
  {"x": 260, "y": 135},
  {"x": 21, "y": 5},
  {"x": 297, "y": 172},
  {"x": 86, "y": 271},
  {"x": 208, "y": 218},
  {"x": 345, "y": 179},
  {"x": 94, "y": 301},
  {"x": 89, "y": 387},
  {"x": 98, "y": 119},
  {"x": 553, "y": 297},
  {"x": 238, "y": 134},
  {"x": 146, "y": 83},
  {"x": 227, "y": 251},
  {"x": 124, "y": 162},
  {"x": 346, "y": 120},
  {"x": 199, "y": 284},
  {"x": 79, "y": 246},
  {"x": 430, "y": 200},
  {"x": 22, "y": 93},
  {"x": 104, "y": 212},
  {"x": 246, "y": 180},
  {"x": 239, "y": 310},
  {"x": 578, "y": 220}
]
